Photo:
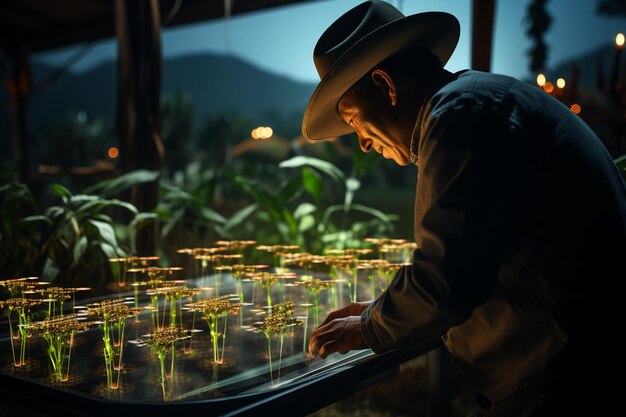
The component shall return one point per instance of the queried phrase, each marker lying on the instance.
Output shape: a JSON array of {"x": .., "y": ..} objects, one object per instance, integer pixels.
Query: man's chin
[{"x": 400, "y": 162}]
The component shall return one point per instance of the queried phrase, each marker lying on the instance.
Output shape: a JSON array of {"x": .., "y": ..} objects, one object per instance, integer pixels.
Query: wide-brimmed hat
[{"x": 358, "y": 41}]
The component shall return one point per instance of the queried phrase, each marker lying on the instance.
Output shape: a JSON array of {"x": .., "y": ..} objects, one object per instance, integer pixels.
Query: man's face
[{"x": 375, "y": 121}]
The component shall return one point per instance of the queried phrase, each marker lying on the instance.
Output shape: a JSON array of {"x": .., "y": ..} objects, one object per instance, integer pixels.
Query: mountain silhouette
[{"x": 217, "y": 84}]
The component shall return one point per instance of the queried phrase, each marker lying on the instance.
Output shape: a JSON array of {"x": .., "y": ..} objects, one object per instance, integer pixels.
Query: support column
[
  {"x": 482, "y": 33},
  {"x": 19, "y": 85},
  {"x": 137, "y": 25}
]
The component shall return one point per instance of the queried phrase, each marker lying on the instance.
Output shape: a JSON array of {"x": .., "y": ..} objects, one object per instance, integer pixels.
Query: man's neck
[{"x": 423, "y": 93}]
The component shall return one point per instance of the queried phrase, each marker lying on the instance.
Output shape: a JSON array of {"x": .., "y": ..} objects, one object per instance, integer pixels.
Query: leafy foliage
[
  {"x": 301, "y": 201},
  {"x": 72, "y": 240},
  {"x": 299, "y": 208},
  {"x": 17, "y": 246},
  {"x": 176, "y": 129},
  {"x": 539, "y": 21},
  {"x": 186, "y": 201},
  {"x": 78, "y": 139}
]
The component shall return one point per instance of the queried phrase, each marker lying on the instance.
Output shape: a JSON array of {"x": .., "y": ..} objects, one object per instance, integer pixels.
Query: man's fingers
[
  {"x": 332, "y": 316},
  {"x": 322, "y": 328},
  {"x": 352, "y": 309},
  {"x": 328, "y": 348},
  {"x": 318, "y": 337},
  {"x": 340, "y": 335},
  {"x": 313, "y": 347},
  {"x": 313, "y": 344}
]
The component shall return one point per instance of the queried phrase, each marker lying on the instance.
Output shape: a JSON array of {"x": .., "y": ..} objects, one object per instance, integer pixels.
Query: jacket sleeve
[{"x": 461, "y": 211}]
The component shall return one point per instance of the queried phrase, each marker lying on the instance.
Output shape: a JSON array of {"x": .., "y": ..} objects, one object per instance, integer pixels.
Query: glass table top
[{"x": 222, "y": 335}]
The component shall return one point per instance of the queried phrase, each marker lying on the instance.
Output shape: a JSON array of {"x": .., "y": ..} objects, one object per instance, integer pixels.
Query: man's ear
[{"x": 385, "y": 84}]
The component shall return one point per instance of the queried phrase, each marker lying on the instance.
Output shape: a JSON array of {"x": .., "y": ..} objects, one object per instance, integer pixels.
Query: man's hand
[
  {"x": 352, "y": 309},
  {"x": 339, "y": 332}
]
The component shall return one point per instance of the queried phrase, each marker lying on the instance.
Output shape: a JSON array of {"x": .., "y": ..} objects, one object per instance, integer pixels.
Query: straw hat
[{"x": 358, "y": 41}]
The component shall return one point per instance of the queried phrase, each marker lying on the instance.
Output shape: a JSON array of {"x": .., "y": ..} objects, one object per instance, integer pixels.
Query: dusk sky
[{"x": 282, "y": 39}]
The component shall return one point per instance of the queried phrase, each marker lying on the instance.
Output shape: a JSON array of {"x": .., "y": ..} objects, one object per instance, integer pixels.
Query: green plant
[
  {"x": 76, "y": 235},
  {"x": 112, "y": 315},
  {"x": 277, "y": 320},
  {"x": 313, "y": 288},
  {"x": 21, "y": 307},
  {"x": 297, "y": 207},
  {"x": 71, "y": 240},
  {"x": 58, "y": 332},
  {"x": 162, "y": 341},
  {"x": 176, "y": 129},
  {"x": 185, "y": 201},
  {"x": 215, "y": 309},
  {"x": 18, "y": 240}
]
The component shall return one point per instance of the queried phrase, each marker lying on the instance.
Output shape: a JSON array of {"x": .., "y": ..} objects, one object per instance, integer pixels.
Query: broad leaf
[
  {"x": 211, "y": 215},
  {"x": 358, "y": 207},
  {"x": 79, "y": 249},
  {"x": 291, "y": 222},
  {"x": 100, "y": 203},
  {"x": 112, "y": 252},
  {"x": 240, "y": 216},
  {"x": 36, "y": 218},
  {"x": 142, "y": 219},
  {"x": 312, "y": 182},
  {"x": 82, "y": 198},
  {"x": 352, "y": 185},
  {"x": 303, "y": 209},
  {"x": 319, "y": 164},
  {"x": 108, "y": 188},
  {"x": 60, "y": 190},
  {"x": 105, "y": 230},
  {"x": 306, "y": 223},
  {"x": 292, "y": 188},
  {"x": 54, "y": 211},
  {"x": 50, "y": 270},
  {"x": 172, "y": 221}
]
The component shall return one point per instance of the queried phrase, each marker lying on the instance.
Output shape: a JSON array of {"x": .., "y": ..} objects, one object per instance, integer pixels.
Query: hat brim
[{"x": 436, "y": 31}]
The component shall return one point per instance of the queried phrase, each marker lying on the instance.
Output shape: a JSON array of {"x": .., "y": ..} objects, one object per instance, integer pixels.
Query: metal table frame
[{"x": 303, "y": 396}]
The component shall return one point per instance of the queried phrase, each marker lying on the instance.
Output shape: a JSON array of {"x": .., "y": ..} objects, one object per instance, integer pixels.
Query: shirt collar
[
  {"x": 417, "y": 129},
  {"x": 435, "y": 85}
]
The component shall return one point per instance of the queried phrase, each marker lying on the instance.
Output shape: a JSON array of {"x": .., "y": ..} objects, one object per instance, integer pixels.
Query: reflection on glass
[
  {"x": 58, "y": 332},
  {"x": 215, "y": 312},
  {"x": 111, "y": 315},
  {"x": 162, "y": 341},
  {"x": 277, "y": 320},
  {"x": 266, "y": 348}
]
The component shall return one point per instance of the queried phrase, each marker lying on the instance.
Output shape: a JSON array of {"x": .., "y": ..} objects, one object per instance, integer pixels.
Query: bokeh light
[
  {"x": 113, "y": 152},
  {"x": 541, "y": 80},
  {"x": 262, "y": 132},
  {"x": 548, "y": 87}
]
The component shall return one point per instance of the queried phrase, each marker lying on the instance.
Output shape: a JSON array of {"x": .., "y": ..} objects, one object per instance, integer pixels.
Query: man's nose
[{"x": 366, "y": 144}]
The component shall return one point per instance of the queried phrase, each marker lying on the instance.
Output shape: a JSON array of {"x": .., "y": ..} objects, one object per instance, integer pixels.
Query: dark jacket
[{"x": 520, "y": 220}]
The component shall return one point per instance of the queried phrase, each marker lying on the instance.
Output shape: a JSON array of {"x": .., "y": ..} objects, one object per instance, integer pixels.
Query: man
[{"x": 520, "y": 217}]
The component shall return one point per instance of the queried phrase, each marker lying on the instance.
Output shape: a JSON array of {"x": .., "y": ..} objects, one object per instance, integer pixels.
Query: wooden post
[
  {"x": 19, "y": 89},
  {"x": 137, "y": 25},
  {"x": 482, "y": 34}
]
